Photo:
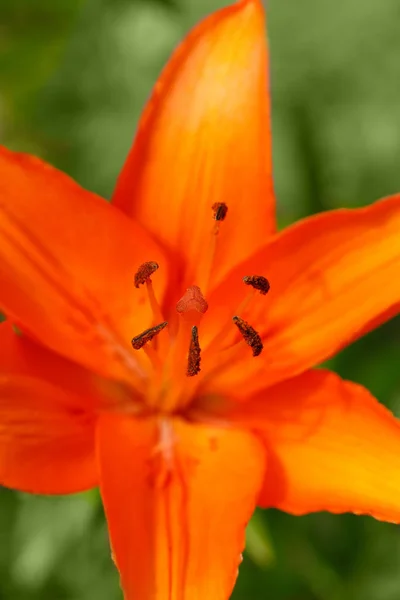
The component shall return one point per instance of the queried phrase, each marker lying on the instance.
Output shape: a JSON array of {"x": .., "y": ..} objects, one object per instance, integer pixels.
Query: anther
[
  {"x": 143, "y": 338},
  {"x": 144, "y": 272},
  {"x": 250, "y": 335},
  {"x": 258, "y": 282},
  {"x": 194, "y": 356},
  {"x": 220, "y": 209},
  {"x": 192, "y": 299}
]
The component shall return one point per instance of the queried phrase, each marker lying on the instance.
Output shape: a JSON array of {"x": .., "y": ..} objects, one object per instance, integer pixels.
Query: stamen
[
  {"x": 220, "y": 209},
  {"x": 192, "y": 300},
  {"x": 144, "y": 272},
  {"x": 250, "y": 335},
  {"x": 155, "y": 307},
  {"x": 143, "y": 275},
  {"x": 143, "y": 338},
  {"x": 258, "y": 282},
  {"x": 194, "y": 356}
]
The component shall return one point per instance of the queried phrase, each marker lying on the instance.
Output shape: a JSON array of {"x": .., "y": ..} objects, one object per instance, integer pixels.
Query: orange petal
[
  {"x": 67, "y": 263},
  {"x": 46, "y": 419},
  {"x": 177, "y": 498},
  {"x": 204, "y": 138},
  {"x": 333, "y": 277},
  {"x": 332, "y": 447}
]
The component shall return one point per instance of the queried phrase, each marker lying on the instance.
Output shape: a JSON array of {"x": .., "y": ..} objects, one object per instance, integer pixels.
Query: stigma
[{"x": 192, "y": 300}]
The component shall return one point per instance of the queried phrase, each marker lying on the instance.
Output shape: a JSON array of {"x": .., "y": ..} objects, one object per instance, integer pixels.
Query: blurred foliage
[{"x": 74, "y": 75}]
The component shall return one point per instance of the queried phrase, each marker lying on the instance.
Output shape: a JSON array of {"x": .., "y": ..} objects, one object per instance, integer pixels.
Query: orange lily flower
[{"x": 213, "y": 407}]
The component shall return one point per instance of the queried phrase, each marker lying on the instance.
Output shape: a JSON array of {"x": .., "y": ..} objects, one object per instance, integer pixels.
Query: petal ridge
[
  {"x": 210, "y": 109},
  {"x": 163, "y": 522}
]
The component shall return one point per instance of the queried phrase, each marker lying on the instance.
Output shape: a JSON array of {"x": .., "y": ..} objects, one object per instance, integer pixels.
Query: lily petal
[
  {"x": 333, "y": 277},
  {"x": 332, "y": 447},
  {"x": 46, "y": 420},
  {"x": 177, "y": 498},
  {"x": 67, "y": 263},
  {"x": 204, "y": 138}
]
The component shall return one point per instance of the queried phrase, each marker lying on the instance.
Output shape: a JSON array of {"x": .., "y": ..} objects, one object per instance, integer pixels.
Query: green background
[{"x": 74, "y": 75}]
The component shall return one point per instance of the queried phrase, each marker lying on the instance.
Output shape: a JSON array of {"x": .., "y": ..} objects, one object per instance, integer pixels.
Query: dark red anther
[
  {"x": 258, "y": 282},
  {"x": 250, "y": 335},
  {"x": 143, "y": 338},
  {"x": 194, "y": 356},
  {"x": 220, "y": 209},
  {"x": 144, "y": 272}
]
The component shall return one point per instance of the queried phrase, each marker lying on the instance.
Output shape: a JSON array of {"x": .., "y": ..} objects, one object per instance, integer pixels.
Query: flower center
[{"x": 173, "y": 347}]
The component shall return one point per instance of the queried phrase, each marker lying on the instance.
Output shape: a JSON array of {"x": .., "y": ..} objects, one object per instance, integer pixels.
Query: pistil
[
  {"x": 191, "y": 307},
  {"x": 178, "y": 381}
]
